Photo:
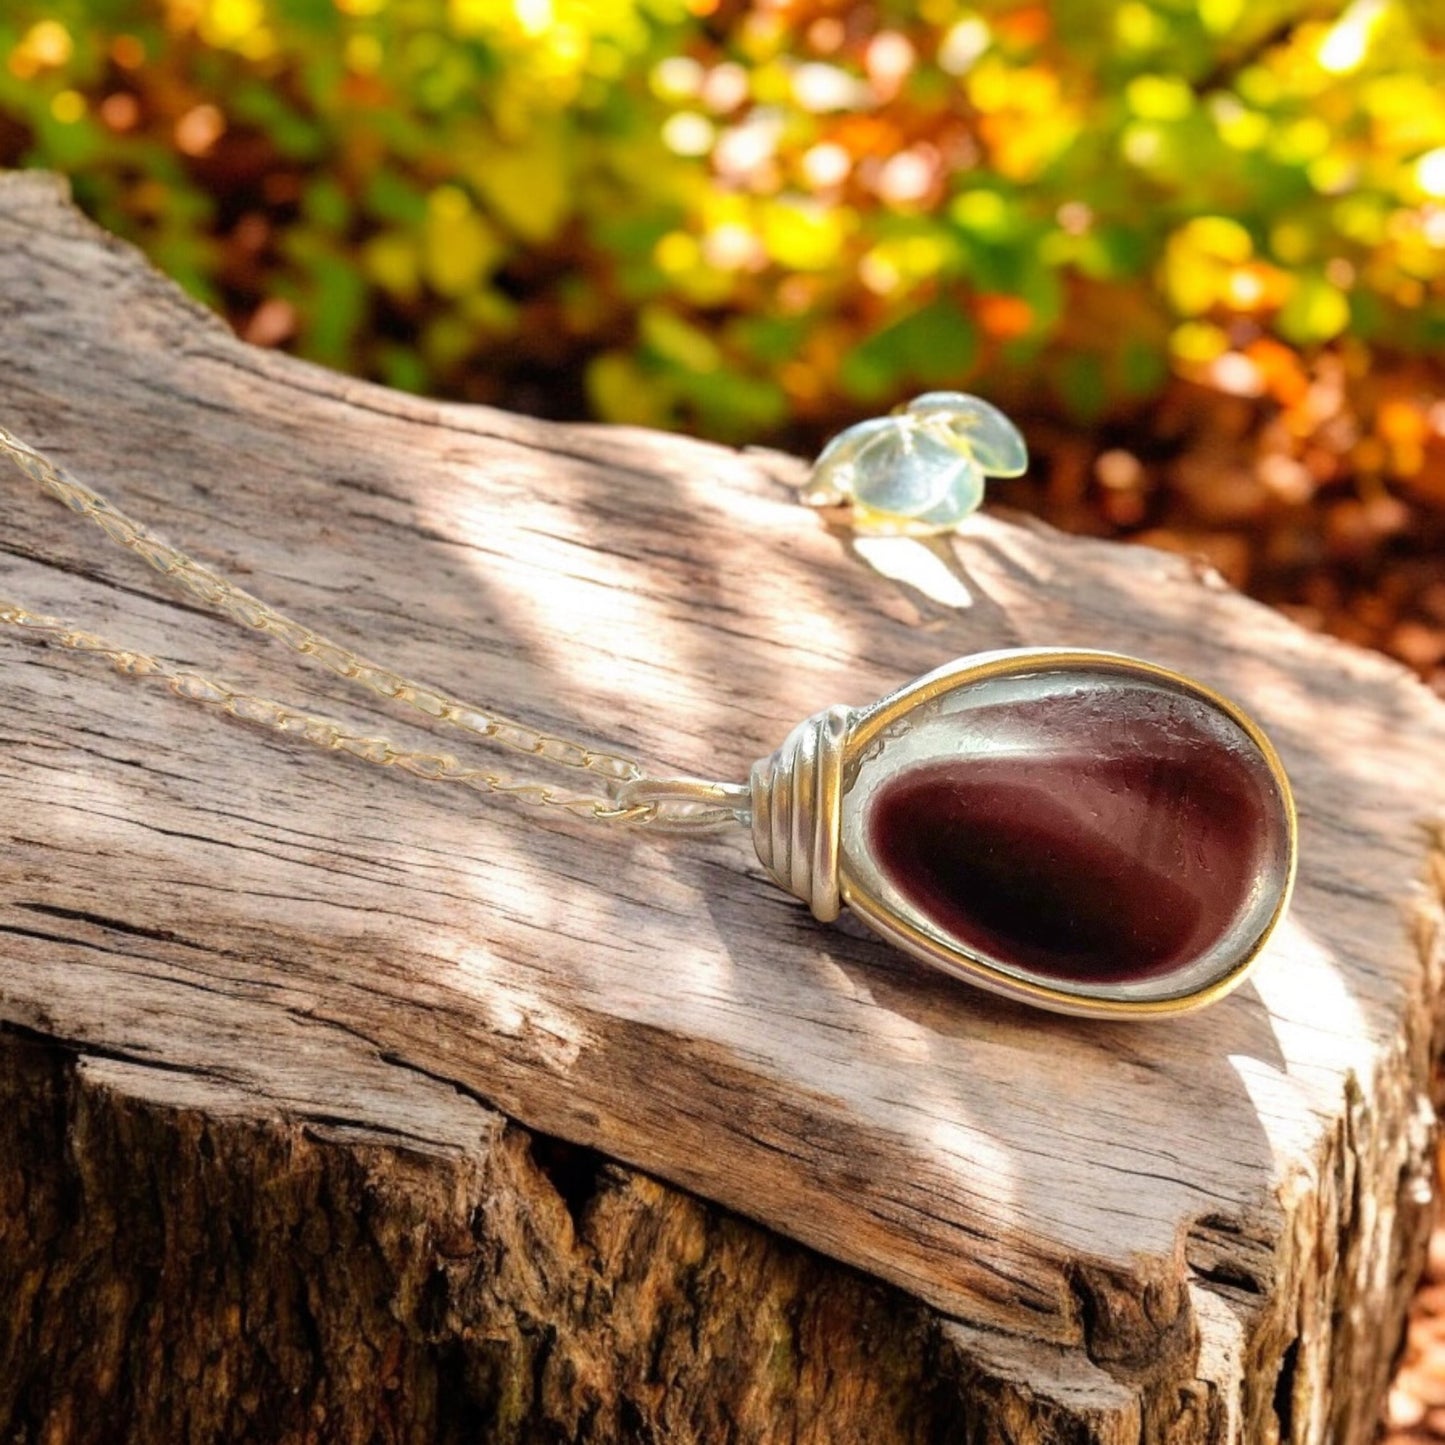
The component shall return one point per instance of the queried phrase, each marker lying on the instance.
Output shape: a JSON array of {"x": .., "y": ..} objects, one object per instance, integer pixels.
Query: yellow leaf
[
  {"x": 527, "y": 187},
  {"x": 620, "y": 392},
  {"x": 1316, "y": 311},
  {"x": 1159, "y": 97},
  {"x": 675, "y": 340},
  {"x": 1219, "y": 237},
  {"x": 1198, "y": 342},
  {"x": 226, "y": 23},
  {"x": 803, "y": 237},
  {"x": 391, "y": 261},
  {"x": 459, "y": 246}
]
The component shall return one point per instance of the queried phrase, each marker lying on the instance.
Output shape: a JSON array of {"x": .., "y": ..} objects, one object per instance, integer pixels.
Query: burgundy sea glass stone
[{"x": 1099, "y": 829}]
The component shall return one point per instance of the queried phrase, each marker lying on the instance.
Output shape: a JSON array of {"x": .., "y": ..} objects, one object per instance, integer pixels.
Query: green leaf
[{"x": 935, "y": 346}]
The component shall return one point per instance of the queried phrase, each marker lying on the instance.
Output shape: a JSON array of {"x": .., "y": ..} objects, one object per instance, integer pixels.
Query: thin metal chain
[
  {"x": 223, "y": 596},
  {"x": 679, "y": 805},
  {"x": 323, "y": 732}
]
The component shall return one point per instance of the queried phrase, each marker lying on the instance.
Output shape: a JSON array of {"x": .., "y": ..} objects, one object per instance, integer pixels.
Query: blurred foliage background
[{"x": 1196, "y": 247}]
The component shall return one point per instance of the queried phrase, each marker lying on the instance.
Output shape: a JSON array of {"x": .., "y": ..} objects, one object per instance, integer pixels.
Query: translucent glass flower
[{"x": 923, "y": 468}]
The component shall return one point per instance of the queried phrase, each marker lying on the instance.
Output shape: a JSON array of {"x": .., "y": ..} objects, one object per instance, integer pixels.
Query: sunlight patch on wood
[{"x": 917, "y": 563}]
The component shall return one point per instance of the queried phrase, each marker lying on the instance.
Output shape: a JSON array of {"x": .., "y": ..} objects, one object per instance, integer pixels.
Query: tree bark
[{"x": 337, "y": 1109}]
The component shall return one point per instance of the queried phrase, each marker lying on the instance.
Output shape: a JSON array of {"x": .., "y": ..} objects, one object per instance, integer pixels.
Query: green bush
[{"x": 740, "y": 218}]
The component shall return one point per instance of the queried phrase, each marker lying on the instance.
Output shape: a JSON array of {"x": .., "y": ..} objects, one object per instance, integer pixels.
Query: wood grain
[{"x": 1201, "y": 1229}]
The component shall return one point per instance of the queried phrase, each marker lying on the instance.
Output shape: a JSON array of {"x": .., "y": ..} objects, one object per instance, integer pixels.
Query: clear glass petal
[
  {"x": 964, "y": 497},
  {"x": 903, "y": 473},
  {"x": 908, "y": 471},
  {"x": 997, "y": 444},
  {"x": 840, "y": 453}
]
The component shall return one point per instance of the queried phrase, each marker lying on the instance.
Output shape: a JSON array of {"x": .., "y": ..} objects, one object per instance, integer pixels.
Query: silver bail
[{"x": 797, "y": 796}]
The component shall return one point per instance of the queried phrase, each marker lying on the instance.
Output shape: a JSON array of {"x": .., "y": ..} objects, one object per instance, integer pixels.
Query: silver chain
[{"x": 681, "y": 804}]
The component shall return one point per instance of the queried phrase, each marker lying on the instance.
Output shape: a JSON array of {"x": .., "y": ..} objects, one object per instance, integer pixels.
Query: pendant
[{"x": 1080, "y": 830}]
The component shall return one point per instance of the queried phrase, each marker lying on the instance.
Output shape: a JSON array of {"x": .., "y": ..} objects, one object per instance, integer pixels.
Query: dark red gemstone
[{"x": 1119, "y": 836}]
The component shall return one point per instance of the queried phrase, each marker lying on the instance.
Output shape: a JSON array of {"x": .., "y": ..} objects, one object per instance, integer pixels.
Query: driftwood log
[{"x": 337, "y": 1109}]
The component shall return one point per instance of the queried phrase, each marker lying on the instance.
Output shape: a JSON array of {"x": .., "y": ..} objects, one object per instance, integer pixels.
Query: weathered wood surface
[{"x": 291, "y": 1045}]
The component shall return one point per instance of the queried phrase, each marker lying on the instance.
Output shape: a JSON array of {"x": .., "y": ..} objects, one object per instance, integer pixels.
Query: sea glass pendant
[{"x": 1081, "y": 830}]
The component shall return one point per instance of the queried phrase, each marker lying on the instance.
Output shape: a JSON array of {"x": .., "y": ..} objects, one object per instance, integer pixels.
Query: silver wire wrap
[{"x": 797, "y": 797}]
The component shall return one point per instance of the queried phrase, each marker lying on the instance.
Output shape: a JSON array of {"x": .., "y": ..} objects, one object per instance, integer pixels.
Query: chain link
[{"x": 672, "y": 810}]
